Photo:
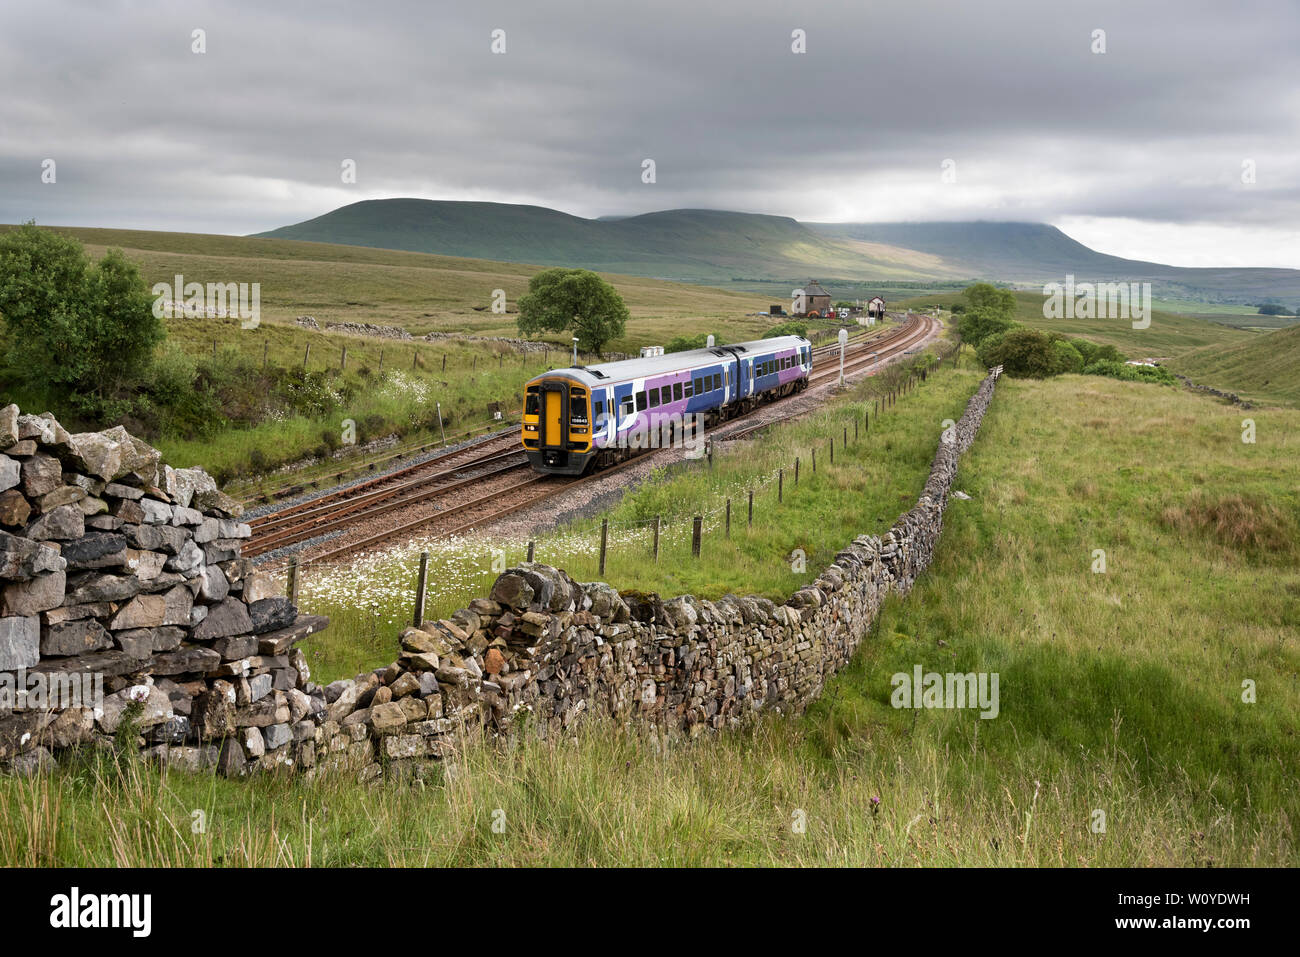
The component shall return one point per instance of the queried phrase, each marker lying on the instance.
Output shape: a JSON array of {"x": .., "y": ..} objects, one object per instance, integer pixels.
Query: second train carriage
[{"x": 602, "y": 413}]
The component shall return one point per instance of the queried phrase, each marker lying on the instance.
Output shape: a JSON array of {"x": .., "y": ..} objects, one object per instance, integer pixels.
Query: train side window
[
  {"x": 688, "y": 390},
  {"x": 531, "y": 404},
  {"x": 654, "y": 398},
  {"x": 640, "y": 401},
  {"x": 627, "y": 406},
  {"x": 677, "y": 391},
  {"x": 597, "y": 408},
  {"x": 717, "y": 380}
]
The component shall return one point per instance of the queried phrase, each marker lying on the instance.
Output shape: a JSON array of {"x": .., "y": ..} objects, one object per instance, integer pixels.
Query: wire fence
[{"x": 405, "y": 583}]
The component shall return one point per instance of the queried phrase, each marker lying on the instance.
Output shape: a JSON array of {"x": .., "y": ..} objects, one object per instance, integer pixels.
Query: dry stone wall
[
  {"x": 540, "y": 652},
  {"x": 124, "y": 601}
]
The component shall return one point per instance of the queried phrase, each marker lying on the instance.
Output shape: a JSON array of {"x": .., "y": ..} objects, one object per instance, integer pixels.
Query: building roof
[{"x": 813, "y": 288}]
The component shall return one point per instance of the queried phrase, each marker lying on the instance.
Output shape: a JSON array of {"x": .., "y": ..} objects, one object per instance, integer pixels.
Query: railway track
[{"x": 477, "y": 484}]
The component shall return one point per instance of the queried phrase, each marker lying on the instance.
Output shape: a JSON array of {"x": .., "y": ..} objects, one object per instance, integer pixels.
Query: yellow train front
[{"x": 557, "y": 423}]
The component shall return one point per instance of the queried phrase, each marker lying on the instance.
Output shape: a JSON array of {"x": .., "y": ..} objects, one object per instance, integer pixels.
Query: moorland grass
[{"x": 1121, "y": 694}]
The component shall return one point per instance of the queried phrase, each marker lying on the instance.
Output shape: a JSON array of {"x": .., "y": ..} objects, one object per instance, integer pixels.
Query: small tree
[
  {"x": 83, "y": 332},
  {"x": 1022, "y": 353},
  {"x": 577, "y": 299},
  {"x": 983, "y": 295},
  {"x": 979, "y": 323},
  {"x": 987, "y": 312}
]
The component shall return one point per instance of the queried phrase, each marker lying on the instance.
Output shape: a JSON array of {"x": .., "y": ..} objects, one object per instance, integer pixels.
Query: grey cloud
[{"x": 250, "y": 135}]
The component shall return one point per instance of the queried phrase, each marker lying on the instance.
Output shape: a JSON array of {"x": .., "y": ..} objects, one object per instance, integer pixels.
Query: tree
[
  {"x": 561, "y": 299},
  {"x": 987, "y": 312},
  {"x": 979, "y": 323},
  {"x": 983, "y": 295},
  {"x": 1022, "y": 353},
  {"x": 82, "y": 332}
]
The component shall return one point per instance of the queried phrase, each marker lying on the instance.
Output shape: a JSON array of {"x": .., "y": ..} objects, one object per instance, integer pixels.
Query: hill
[
  {"x": 691, "y": 244},
  {"x": 1036, "y": 252},
  {"x": 1264, "y": 368},
  {"x": 1169, "y": 334},
  {"x": 419, "y": 292},
  {"x": 724, "y": 247}
]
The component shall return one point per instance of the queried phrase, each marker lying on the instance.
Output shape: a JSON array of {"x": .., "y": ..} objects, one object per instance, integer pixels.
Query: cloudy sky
[{"x": 1146, "y": 150}]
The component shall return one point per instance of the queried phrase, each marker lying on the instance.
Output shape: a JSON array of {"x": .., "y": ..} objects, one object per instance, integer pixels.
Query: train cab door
[{"x": 555, "y": 415}]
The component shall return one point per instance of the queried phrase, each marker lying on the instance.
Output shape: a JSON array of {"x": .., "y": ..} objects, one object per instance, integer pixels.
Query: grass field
[
  {"x": 1121, "y": 693},
  {"x": 419, "y": 292},
  {"x": 1169, "y": 334},
  {"x": 1262, "y": 369}
]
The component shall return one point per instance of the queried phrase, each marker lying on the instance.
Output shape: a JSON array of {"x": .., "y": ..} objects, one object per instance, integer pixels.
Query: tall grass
[{"x": 1121, "y": 693}]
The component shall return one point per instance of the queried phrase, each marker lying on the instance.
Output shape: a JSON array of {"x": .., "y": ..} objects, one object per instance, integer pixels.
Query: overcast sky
[{"x": 1139, "y": 151}]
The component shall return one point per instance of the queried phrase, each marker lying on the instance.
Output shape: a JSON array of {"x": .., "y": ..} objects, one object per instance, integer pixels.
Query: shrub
[
  {"x": 1022, "y": 353},
  {"x": 1066, "y": 357},
  {"x": 1128, "y": 373},
  {"x": 82, "y": 331},
  {"x": 787, "y": 329}
]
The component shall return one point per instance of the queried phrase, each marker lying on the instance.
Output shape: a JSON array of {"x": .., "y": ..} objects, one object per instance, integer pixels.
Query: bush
[
  {"x": 787, "y": 329},
  {"x": 686, "y": 343},
  {"x": 84, "y": 332},
  {"x": 1092, "y": 352},
  {"x": 978, "y": 324},
  {"x": 1066, "y": 356},
  {"x": 1128, "y": 373},
  {"x": 174, "y": 402},
  {"x": 1022, "y": 353}
]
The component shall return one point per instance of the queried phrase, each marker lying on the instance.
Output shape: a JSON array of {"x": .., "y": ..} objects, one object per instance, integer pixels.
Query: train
[{"x": 594, "y": 416}]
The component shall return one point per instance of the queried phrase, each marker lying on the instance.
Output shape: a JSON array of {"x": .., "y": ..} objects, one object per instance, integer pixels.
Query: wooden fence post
[
  {"x": 695, "y": 536},
  {"x": 604, "y": 542},
  {"x": 796, "y": 470},
  {"x": 751, "y": 508},
  {"x": 306, "y": 355},
  {"x": 780, "y": 485},
  {"x": 343, "y": 360},
  {"x": 292, "y": 589},
  {"x": 381, "y": 361},
  {"x": 656, "y": 538},
  {"x": 727, "y": 533},
  {"x": 532, "y": 546},
  {"x": 421, "y": 583}
]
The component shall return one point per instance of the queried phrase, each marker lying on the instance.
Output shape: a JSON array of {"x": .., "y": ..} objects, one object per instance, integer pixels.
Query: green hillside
[
  {"x": 692, "y": 244},
  {"x": 744, "y": 250},
  {"x": 1036, "y": 252},
  {"x": 1169, "y": 334},
  {"x": 418, "y": 292},
  {"x": 1264, "y": 368}
]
